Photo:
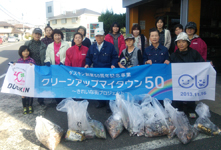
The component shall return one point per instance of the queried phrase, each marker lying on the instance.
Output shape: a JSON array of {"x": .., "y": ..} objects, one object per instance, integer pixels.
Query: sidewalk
[{"x": 17, "y": 130}]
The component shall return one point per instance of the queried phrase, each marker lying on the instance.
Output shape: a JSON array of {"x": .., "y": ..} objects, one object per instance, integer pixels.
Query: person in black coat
[
  {"x": 183, "y": 54},
  {"x": 86, "y": 41}
]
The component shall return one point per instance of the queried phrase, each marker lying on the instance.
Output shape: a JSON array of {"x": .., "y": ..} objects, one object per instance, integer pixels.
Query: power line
[{"x": 9, "y": 14}]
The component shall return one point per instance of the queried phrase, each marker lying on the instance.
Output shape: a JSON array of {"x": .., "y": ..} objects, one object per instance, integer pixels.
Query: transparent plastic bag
[
  {"x": 136, "y": 120},
  {"x": 184, "y": 131},
  {"x": 131, "y": 115},
  {"x": 79, "y": 121},
  {"x": 157, "y": 122},
  {"x": 203, "y": 123},
  {"x": 122, "y": 105},
  {"x": 98, "y": 129},
  {"x": 48, "y": 133},
  {"x": 114, "y": 123},
  {"x": 77, "y": 114}
]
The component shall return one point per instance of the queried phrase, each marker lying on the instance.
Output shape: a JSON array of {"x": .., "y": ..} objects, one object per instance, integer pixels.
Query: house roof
[
  {"x": 21, "y": 26},
  {"x": 70, "y": 14},
  {"x": 3, "y": 23}
]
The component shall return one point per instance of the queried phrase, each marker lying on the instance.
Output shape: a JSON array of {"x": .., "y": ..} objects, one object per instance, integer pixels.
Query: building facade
[
  {"x": 205, "y": 13},
  {"x": 7, "y": 29},
  {"x": 68, "y": 21}
]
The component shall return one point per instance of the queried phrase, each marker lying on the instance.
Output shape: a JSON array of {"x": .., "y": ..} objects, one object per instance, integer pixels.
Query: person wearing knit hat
[
  {"x": 196, "y": 42},
  {"x": 183, "y": 54},
  {"x": 37, "y": 52}
]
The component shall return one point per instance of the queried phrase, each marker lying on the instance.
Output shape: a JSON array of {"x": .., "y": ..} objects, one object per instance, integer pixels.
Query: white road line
[
  {"x": 159, "y": 143},
  {"x": 10, "y": 44},
  {"x": 2, "y": 76}
]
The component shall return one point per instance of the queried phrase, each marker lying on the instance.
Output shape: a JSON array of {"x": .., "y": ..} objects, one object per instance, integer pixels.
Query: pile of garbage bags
[
  {"x": 140, "y": 115},
  {"x": 144, "y": 115}
]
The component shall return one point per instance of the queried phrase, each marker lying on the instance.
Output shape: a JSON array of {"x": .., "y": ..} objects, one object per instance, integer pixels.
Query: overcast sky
[{"x": 34, "y": 10}]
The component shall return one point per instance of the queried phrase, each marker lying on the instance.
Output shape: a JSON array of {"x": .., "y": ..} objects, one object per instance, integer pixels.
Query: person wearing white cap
[
  {"x": 103, "y": 55},
  {"x": 183, "y": 54}
]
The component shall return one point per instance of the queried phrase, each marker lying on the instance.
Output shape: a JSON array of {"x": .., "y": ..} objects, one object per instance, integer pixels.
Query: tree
[{"x": 108, "y": 18}]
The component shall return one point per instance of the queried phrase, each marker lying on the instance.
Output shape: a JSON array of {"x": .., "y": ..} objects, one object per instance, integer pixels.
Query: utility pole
[{"x": 23, "y": 26}]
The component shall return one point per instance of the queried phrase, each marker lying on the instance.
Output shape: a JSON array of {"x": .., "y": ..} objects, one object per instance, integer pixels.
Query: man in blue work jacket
[
  {"x": 155, "y": 53},
  {"x": 102, "y": 55}
]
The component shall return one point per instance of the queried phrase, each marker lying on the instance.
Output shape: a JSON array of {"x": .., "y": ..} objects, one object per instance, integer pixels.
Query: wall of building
[
  {"x": 134, "y": 16},
  {"x": 87, "y": 18},
  {"x": 194, "y": 13},
  {"x": 82, "y": 20},
  {"x": 147, "y": 14},
  {"x": 6, "y": 30},
  {"x": 68, "y": 24},
  {"x": 55, "y": 8}
]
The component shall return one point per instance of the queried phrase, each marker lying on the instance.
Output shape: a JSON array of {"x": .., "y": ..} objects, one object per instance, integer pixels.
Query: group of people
[{"x": 114, "y": 50}]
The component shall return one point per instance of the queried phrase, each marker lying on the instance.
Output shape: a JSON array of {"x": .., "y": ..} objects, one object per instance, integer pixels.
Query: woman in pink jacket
[
  {"x": 196, "y": 42},
  {"x": 116, "y": 38}
]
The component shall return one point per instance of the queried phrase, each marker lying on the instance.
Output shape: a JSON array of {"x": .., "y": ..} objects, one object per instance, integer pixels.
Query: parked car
[
  {"x": 13, "y": 39},
  {"x": 1, "y": 40}
]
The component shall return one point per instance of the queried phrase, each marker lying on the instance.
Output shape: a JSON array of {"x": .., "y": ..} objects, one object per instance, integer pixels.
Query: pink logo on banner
[{"x": 19, "y": 76}]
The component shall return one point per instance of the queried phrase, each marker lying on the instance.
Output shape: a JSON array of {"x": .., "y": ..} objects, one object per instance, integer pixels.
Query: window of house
[
  {"x": 54, "y": 21},
  {"x": 74, "y": 20},
  {"x": 49, "y": 9},
  {"x": 63, "y": 21}
]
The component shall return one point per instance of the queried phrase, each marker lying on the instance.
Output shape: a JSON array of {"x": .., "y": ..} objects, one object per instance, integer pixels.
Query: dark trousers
[
  {"x": 58, "y": 100},
  {"x": 187, "y": 107},
  {"x": 161, "y": 102},
  {"x": 104, "y": 102},
  {"x": 40, "y": 100},
  {"x": 27, "y": 101}
]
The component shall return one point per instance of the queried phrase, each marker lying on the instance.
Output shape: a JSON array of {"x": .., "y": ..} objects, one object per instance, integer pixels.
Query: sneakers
[
  {"x": 192, "y": 115},
  {"x": 30, "y": 110},
  {"x": 25, "y": 111}
]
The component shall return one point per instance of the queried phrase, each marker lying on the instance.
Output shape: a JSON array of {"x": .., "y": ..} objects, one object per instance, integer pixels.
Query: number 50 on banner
[{"x": 149, "y": 81}]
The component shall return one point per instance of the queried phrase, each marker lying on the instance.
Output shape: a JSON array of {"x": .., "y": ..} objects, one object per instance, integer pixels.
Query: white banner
[
  {"x": 20, "y": 80},
  {"x": 180, "y": 81},
  {"x": 193, "y": 81}
]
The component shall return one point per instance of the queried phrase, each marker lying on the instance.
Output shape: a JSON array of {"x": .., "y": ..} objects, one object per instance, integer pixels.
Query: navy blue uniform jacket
[
  {"x": 158, "y": 55},
  {"x": 105, "y": 58}
]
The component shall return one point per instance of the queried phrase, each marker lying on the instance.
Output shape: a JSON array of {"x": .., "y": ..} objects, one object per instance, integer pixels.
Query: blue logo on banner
[{"x": 187, "y": 81}]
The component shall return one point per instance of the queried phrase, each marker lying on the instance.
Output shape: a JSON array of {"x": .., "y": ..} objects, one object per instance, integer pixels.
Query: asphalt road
[
  {"x": 8, "y": 53},
  {"x": 124, "y": 141}
]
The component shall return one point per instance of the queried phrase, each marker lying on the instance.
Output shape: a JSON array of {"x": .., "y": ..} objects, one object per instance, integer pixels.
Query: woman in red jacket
[
  {"x": 76, "y": 55},
  {"x": 116, "y": 38},
  {"x": 196, "y": 42}
]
